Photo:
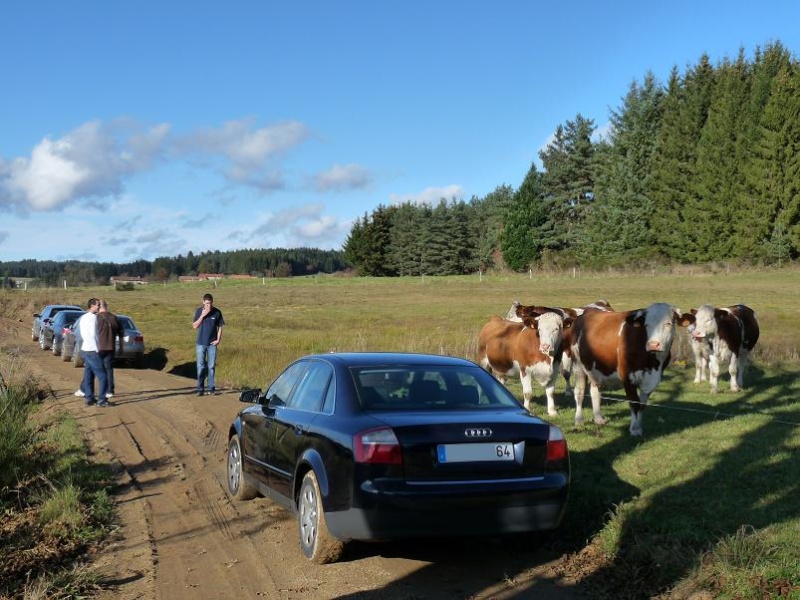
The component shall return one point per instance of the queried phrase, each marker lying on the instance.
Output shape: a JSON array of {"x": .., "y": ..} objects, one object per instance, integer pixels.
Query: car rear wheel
[
  {"x": 316, "y": 541},
  {"x": 43, "y": 342},
  {"x": 238, "y": 488},
  {"x": 34, "y": 334},
  {"x": 65, "y": 356},
  {"x": 77, "y": 359},
  {"x": 56, "y": 350}
]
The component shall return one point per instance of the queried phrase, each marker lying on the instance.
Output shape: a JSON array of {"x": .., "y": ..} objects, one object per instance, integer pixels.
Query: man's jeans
[
  {"x": 107, "y": 356},
  {"x": 206, "y": 364},
  {"x": 93, "y": 367}
]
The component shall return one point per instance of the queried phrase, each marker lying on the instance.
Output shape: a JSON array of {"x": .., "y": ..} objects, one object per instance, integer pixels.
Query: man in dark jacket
[
  {"x": 208, "y": 322},
  {"x": 108, "y": 330}
]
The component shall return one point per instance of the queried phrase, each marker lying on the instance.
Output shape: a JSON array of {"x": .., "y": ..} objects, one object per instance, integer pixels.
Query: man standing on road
[
  {"x": 108, "y": 330},
  {"x": 92, "y": 364},
  {"x": 208, "y": 322}
]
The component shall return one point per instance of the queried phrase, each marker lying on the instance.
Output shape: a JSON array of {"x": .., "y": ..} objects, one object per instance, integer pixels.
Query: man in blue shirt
[{"x": 208, "y": 322}]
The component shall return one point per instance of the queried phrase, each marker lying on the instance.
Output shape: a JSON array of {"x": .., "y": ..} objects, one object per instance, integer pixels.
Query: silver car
[{"x": 132, "y": 344}]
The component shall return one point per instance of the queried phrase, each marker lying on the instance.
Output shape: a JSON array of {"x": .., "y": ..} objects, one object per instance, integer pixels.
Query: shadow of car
[
  {"x": 132, "y": 351},
  {"x": 52, "y": 336},
  {"x": 382, "y": 446},
  {"x": 45, "y": 316}
]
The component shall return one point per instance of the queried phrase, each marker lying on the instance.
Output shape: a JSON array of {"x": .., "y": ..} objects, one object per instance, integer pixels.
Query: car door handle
[{"x": 298, "y": 430}]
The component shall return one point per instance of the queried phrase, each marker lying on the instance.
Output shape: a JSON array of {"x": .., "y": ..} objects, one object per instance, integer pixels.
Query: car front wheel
[
  {"x": 238, "y": 488},
  {"x": 316, "y": 541}
]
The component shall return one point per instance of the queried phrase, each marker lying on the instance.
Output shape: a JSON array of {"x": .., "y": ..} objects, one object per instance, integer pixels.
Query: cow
[
  {"x": 518, "y": 311},
  {"x": 532, "y": 349},
  {"x": 723, "y": 336},
  {"x": 632, "y": 347}
]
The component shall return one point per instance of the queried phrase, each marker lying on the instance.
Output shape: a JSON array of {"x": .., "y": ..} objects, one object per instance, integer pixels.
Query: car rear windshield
[
  {"x": 126, "y": 323},
  {"x": 429, "y": 388}
]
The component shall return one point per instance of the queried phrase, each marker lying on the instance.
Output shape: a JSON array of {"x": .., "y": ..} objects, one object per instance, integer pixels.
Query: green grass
[
  {"x": 54, "y": 503},
  {"x": 706, "y": 500}
]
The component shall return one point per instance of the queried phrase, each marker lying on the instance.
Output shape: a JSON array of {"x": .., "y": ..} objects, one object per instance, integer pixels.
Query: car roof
[{"x": 374, "y": 359}]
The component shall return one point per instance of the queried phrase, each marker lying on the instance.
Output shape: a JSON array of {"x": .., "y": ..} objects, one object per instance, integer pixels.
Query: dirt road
[{"x": 181, "y": 536}]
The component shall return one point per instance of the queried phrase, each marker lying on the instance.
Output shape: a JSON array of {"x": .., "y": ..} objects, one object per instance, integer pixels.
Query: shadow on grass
[{"x": 752, "y": 483}]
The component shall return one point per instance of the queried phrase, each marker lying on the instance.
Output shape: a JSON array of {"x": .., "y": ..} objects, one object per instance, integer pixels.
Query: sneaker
[
  {"x": 89, "y": 402},
  {"x": 103, "y": 403},
  {"x": 212, "y": 392},
  {"x": 80, "y": 394},
  {"x": 199, "y": 392},
  {"x": 109, "y": 396}
]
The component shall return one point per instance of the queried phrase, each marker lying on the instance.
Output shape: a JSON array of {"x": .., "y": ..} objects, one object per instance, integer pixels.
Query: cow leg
[
  {"x": 699, "y": 362},
  {"x": 713, "y": 373},
  {"x": 566, "y": 372},
  {"x": 744, "y": 360},
  {"x": 637, "y": 404},
  {"x": 579, "y": 390},
  {"x": 550, "y": 392},
  {"x": 527, "y": 389},
  {"x": 733, "y": 371},
  {"x": 594, "y": 390}
]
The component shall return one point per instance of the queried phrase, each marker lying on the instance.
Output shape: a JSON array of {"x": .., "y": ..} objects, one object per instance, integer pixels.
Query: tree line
[
  {"x": 704, "y": 168},
  {"x": 279, "y": 262}
]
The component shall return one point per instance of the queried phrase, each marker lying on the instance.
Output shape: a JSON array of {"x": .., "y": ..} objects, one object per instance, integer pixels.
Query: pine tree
[
  {"x": 521, "y": 242},
  {"x": 619, "y": 224}
]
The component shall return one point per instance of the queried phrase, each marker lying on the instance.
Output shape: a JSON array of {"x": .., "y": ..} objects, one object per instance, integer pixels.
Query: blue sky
[{"x": 134, "y": 130}]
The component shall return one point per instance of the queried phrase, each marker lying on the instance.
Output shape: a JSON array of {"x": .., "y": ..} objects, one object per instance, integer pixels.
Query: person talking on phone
[{"x": 208, "y": 322}]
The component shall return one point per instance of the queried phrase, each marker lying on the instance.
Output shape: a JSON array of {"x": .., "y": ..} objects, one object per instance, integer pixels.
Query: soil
[{"x": 181, "y": 536}]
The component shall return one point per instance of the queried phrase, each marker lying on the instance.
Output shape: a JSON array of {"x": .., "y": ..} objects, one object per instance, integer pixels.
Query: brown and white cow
[
  {"x": 723, "y": 336},
  {"x": 532, "y": 349},
  {"x": 632, "y": 347},
  {"x": 518, "y": 311}
]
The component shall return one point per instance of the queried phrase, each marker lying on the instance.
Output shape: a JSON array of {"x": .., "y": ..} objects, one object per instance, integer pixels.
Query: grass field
[{"x": 707, "y": 499}]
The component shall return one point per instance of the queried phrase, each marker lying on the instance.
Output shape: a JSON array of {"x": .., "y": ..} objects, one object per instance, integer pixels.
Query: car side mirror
[
  {"x": 275, "y": 402},
  {"x": 252, "y": 396}
]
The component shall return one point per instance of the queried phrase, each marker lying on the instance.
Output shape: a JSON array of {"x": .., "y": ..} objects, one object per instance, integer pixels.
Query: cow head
[
  {"x": 659, "y": 321},
  {"x": 549, "y": 326},
  {"x": 705, "y": 322}
]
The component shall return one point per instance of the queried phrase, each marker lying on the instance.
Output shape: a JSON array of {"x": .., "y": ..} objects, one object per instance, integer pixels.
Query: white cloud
[
  {"x": 248, "y": 151},
  {"x": 301, "y": 226},
  {"x": 342, "y": 177},
  {"x": 91, "y": 161},
  {"x": 430, "y": 195}
]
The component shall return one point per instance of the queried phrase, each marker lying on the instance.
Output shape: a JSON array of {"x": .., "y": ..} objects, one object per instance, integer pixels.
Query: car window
[
  {"x": 430, "y": 389},
  {"x": 125, "y": 323},
  {"x": 310, "y": 392},
  {"x": 281, "y": 388}
]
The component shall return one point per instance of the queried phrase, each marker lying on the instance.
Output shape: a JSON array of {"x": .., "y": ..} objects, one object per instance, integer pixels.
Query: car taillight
[
  {"x": 377, "y": 446},
  {"x": 138, "y": 338},
  {"x": 556, "y": 445}
]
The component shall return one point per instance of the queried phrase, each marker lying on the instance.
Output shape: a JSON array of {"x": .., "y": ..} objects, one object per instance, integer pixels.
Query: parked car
[
  {"x": 132, "y": 347},
  {"x": 45, "y": 316},
  {"x": 369, "y": 446},
  {"x": 52, "y": 336}
]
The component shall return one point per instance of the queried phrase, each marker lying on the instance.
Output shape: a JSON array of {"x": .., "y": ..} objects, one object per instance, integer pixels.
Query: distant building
[{"x": 123, "y": 279}]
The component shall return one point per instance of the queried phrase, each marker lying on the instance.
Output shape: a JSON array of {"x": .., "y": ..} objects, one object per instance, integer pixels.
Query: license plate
[{"x": 491, "y": 451}]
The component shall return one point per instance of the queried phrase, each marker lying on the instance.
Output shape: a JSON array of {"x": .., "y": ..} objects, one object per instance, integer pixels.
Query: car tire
[
  {"x": 316, "y": 541},
  {"x": 56, "y": 350},
  {"x": 34, "y": 334},
  {"x": 77, "y": 359},
  {"x": 43, "y": 342},
  {"x": 65, "y": 356},
  {"x": 238, "y": 487}
]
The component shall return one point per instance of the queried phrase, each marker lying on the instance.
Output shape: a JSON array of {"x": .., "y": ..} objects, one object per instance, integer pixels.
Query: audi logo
[{"x": 478, "y": 432}]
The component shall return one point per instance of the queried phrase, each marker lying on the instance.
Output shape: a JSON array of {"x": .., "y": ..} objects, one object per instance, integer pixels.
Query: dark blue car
[
  {"x": 44, "y": 318},
  {"x": 370, "y": 446}
]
